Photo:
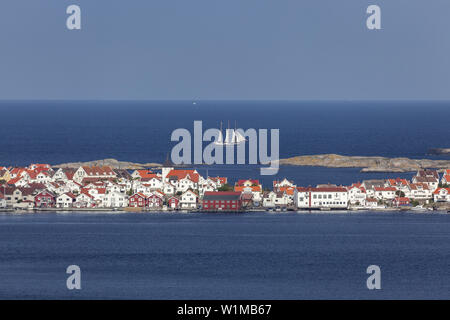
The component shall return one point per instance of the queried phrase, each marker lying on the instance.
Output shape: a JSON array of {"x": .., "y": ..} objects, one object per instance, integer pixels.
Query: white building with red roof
[
  {"x": 283, "y": 183},
  {"x": 93, "y": 173},
  {"x": 357, "y": 194},
  {"x": 384, "y": 193},
  {"x": 84, "y": 200},
  {"x": 183, "y": 179},
  {"x": 445, "y": 180},
  {"x": 441, "y": 195},
  {"x": 65, "y": 200},
  {"x": 419, "y": 191}
]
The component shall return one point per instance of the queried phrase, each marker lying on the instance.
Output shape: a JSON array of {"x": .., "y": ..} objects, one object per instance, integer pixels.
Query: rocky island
[
  {"x": 113, "y": 163},
  {"x": 368, "y": 164},
  {"x": 439, "y": 151}
]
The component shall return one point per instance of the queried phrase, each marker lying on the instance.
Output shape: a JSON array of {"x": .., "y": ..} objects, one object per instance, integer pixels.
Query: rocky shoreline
[
  {"x": 367, "y": 164},
  {"x": 113, "y": 163},
  {"x": 439, "y": 151}
]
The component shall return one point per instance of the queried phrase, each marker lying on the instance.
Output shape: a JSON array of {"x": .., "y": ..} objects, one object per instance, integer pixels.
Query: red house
[
  {"x": 154, "y": 201},
  {"x": 402, "y": 201},
  {"x": 173, "y": 202},
  {"x": 222, "y": 201},
  {"x": 138, "y": 200},
  {"x": 44, "y": 199}
]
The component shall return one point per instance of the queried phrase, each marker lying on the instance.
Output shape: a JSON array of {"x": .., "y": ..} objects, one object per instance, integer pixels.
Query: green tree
[
  {"x": 400, "y": 194},
  {"x": 225, "y": 187},
  {"x": 414, "y": 203}
]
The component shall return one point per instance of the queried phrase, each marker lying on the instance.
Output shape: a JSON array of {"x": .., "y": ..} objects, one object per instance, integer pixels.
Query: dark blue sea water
[
  {"x": 58, "y": 131},
  {"x": 201, "y": 256}
]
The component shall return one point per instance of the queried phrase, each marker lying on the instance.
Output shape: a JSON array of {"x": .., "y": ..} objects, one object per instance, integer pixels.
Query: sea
[
  {"x": 225, "y": 256},
  {"x": 259, "y": 255}
]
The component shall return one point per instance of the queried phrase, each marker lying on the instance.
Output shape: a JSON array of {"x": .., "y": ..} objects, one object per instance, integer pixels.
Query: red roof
[
  {"x": 222, "y": 180},
  {"x": 17, "y": 171},
  {"x": 241, "y": 182},
  {"x": 288, "y": 190},
  {"x": 437, "y": 191},
  {"x": 181, "y": 174},
  {"x": 253, "y": 188},
  {"x": 70, "y": 194},
  {"x": 385, "y": 189},
  {"x": 145, "y": 173},
  {"x": 322, "y": 189},
  {"x": 414, "y": 186},
  {"x": 98, "y": 171},
  {"x": 15, "y": 180}
]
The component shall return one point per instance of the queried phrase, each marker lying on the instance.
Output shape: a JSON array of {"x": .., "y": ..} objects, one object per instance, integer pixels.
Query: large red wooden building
[{"x": 222, "y": 201}]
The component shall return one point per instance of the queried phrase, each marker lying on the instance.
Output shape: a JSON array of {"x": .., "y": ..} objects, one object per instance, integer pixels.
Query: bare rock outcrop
[
  {"x": 113, "y": 163},
  {"x": 368, "y": 164}
]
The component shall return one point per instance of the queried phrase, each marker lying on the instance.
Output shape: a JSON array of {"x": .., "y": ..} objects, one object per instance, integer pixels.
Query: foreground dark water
[{"x": 251, "y": 256}]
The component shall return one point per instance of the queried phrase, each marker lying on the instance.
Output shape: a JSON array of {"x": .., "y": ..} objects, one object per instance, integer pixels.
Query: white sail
[
  {"x": 232, "y": 137},
  {"x": 220, "y": 139},
  {"x": 239, "y": 137},
  {"x": 229, "y": 138}
]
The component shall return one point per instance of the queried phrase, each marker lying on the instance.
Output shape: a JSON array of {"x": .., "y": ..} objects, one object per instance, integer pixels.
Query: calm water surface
[{"x": 199, "y": 256}]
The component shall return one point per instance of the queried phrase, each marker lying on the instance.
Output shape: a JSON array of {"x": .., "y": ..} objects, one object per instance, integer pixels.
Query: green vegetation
[
  {"x": 414, "y": 203},
  {"x": 225, "y": 187},
  {"x": 400, "y": 194}
]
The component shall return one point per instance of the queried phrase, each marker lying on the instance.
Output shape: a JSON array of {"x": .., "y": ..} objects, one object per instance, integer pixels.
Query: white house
[
  {"x": 93, "y": 172},
  {"x": 384, "y": 193},
  {"x": 188, "y": 200},
  {"x": 419, "y": 191},
  {"x": 185, "y": 184},
  {"x": 316, "y": 198},
  {"x": 268, "y": 199},
  {"x": 431, "y": 182},
  {"x": 357, "y": 195},
  {"x": 114, "y": 200},
  {"x": 283, "y": 183},
  {"x": 154, "y": 183},
  {"x": 168, "y": 188},
  {"x": 65, "y": 200},
  {"x": 371, "y": 203},
  {"x": 441, "y": 195},
  {"x": 446, "y": 177},
  {"x": 2, "y": 202},
  {"x": 84, "y": 200}
]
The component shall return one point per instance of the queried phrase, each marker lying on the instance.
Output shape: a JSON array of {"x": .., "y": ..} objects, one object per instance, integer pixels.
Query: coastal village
[{"x": 40, "y": 187}]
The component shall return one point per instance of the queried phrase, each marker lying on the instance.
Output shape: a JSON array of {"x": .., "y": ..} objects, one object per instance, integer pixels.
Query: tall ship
[{"x": 232, "y": 136}]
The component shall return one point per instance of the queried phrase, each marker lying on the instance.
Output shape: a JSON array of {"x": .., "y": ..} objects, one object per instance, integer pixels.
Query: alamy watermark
[
  {"x": 74, "y": 280},
  {"x": 374, "y": 280},
  {"x": 234, "y": 143}
]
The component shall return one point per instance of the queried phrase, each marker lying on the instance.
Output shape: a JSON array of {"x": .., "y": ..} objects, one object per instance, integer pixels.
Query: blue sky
[{"x": 225, "y": 49}]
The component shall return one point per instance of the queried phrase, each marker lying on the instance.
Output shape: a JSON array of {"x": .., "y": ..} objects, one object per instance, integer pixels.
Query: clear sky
[{"x": 225, "y": 49}]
